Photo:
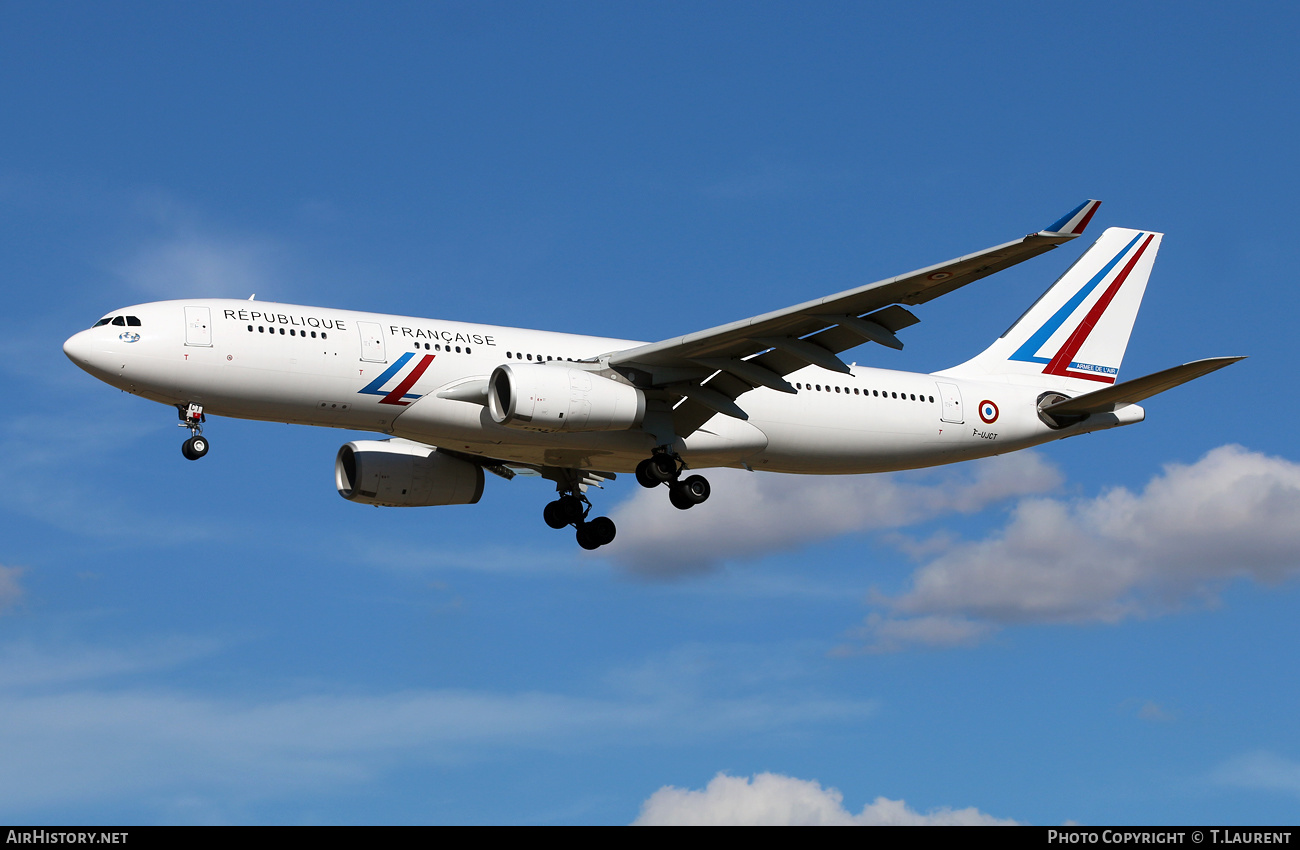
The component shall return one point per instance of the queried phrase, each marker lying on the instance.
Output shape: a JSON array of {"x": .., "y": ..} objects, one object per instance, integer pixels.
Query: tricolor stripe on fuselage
[{"x": 398, "y": 393}]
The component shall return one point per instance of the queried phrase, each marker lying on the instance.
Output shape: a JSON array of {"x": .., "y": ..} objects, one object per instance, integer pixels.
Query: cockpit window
[{"x": 120, "y": 321}]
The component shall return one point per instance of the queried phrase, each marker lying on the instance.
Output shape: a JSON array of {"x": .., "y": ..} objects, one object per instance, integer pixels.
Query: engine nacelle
[
  {"x": 542, "y": 397},
  {"x": 402, "y": 474}
]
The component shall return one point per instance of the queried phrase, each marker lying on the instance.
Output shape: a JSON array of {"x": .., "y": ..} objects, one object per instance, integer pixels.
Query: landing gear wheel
[
  {"x": 645, "y": 476},
  {"x": 191, "y": 416},
  {"x": 586, "y": 539},
  {"x": 194, "y": 448},
  {"x": 663, "y": 467},
  {"x": 696, "y": 488},
  {"x": 553, "y": 513},
  {"x": 602, "y": 529},
  {"x": 678, "y": 496},
  {"x": 570, "y": 507},
  {"x": 597, "y": 533}
]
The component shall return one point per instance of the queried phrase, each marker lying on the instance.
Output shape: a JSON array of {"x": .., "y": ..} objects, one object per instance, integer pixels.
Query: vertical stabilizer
[{"x": 1073, "y": 337}]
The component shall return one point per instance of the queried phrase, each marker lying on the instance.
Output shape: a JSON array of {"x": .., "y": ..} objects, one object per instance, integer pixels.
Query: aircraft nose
[
  {"x": 83, "y": 350},
  {"x": 78, "y": 348}
]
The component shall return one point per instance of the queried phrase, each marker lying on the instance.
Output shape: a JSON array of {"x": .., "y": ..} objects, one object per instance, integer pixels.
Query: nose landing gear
[
  {"x": 666, "y": 468},
  {"x": 192, "y": 417}
]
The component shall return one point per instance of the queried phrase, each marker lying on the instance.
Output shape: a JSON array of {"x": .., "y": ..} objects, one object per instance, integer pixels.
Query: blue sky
[{"x": 1101, "y": 630}]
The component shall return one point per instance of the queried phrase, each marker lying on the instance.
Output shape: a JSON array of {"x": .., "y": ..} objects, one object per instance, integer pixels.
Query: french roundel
[{"x": 988, "y": 412}]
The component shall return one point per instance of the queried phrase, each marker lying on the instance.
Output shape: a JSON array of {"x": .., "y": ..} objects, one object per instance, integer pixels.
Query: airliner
[{"x": 769, "y": 393}]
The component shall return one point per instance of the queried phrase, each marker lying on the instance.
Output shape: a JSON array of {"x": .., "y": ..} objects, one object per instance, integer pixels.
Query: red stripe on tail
[{"x": 1061, "y": 362}]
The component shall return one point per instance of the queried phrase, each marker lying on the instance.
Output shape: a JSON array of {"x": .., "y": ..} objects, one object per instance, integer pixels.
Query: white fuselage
[{"x": 320, "y": 366}]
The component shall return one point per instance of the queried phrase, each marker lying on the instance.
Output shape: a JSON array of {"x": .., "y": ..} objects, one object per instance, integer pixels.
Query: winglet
[{"x": 1073, "y": 222}]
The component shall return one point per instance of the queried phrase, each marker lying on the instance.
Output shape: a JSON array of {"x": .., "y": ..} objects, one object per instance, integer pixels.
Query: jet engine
[
  {"x": 543, "y": 397},
  {"x": 403, "y": 474}
]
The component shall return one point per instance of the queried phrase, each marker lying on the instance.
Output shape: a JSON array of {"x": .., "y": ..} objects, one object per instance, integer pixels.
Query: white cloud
[
  {"x": 1263, "y": 771},
  {"x": 10, "y": 591},
  {"x": 26, "y": 665},
  {"x": 72, "y": 731},
  {"x": 770, "y": 799},
  {"x": 753, "y": 514},
  {"x": 195, "y": 264},
  {"x": 890, "y": 634},
  {"x": 1193, "y": 528}
]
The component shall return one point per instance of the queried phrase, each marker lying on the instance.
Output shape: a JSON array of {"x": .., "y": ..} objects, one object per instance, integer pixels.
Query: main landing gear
[
  {"x": 192, "y": 417},
  {"x": 666, "y": 468},
  {"x": 572, "y": 509}
]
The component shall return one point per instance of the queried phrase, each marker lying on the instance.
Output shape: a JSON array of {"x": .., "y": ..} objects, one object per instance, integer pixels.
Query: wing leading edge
[{"x": 708, "y": 370}]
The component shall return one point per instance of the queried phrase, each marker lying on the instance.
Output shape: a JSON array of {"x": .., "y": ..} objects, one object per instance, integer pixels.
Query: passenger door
[
  {"x": 372, "y": 342},
  {"x": 951, "y": 396},
  {"x": 198, "y": 326}
]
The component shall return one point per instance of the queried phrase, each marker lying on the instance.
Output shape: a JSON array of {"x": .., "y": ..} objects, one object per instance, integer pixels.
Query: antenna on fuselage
[{"x": 253, "y": 297}]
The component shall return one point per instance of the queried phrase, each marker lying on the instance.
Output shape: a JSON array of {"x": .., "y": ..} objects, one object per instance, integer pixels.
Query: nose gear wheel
[{"x": 192, "y": 417}]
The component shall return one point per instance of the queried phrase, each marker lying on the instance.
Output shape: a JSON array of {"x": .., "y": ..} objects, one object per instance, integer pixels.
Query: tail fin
[{"x": 1073, "y": 337}]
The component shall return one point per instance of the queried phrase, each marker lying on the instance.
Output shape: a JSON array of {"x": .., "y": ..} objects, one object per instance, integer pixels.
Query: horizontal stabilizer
[{"x": 1131, "y": 392}]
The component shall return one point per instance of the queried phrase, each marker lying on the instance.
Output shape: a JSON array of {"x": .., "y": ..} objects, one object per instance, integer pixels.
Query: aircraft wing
[
  {"x": 710, "y": 369},
  {"x": 571, "y": 477}
]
